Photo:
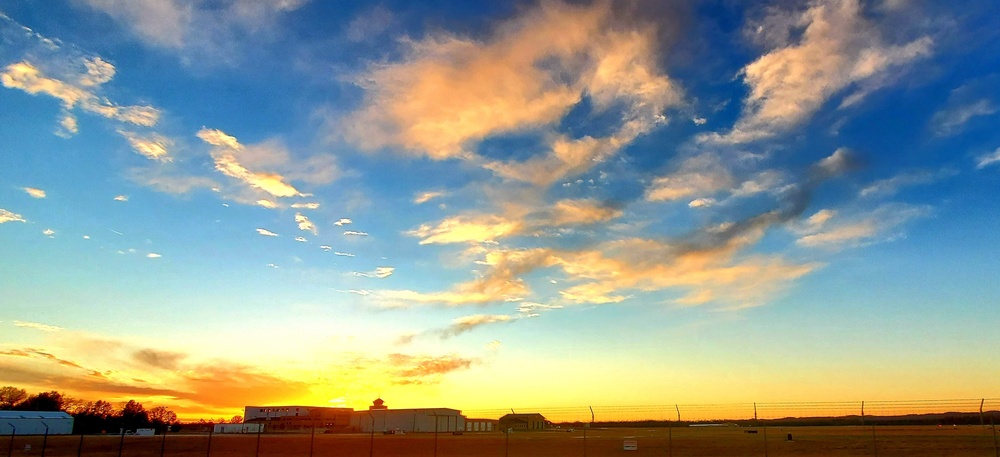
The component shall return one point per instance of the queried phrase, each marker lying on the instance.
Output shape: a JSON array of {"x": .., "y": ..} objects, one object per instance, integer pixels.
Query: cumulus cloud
[
  {"x": 49, "y": 233},
  {"x": 326, "y": 248},
  {"x": 266, "y": 232},
  {"x": 121, "y": 198},
  {"x": 838, "y": 49},
  {"x": 267, "y": 204},
  {"x": 33, "y": 192},
  {"x": 7, "y": 216},
  {"x": 342, "y": 222},
  {"x": 305, "y": 224},
  {"x": 449, "y": 92}
]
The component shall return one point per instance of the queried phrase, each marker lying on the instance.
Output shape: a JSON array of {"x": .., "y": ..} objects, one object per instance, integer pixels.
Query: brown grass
[{"x": 910, "y": 441}]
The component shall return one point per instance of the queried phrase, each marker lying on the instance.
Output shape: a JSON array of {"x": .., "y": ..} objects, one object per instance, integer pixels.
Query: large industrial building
[
  {"x": 380, "y": 418},
  {"x": 300, "y": 417},
  {"x": 35, "y": 423}
]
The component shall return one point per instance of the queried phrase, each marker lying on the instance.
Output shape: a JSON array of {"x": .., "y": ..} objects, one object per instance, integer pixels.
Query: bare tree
[
  {"x": 10, "y": 396},
  {"x": 236, "y": 420}
]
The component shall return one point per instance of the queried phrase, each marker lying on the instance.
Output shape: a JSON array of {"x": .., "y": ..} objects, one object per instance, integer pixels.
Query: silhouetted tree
[
  {"x": 45, "y": 401},
  {"x": 11, "y": 396},
  {"x": 236, "y": 420},
  {"x": 162, "y": 418},
  {"x": 134, "y": 416}
]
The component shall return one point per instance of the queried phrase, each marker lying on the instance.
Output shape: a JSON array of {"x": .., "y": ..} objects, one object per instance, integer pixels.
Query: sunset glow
[{"x": 212, "y": 204}]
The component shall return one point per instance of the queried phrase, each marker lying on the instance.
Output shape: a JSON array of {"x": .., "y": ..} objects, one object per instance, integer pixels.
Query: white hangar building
[
  {"x": 35, "y": 423},
  {"x": 382, "y": 419}
]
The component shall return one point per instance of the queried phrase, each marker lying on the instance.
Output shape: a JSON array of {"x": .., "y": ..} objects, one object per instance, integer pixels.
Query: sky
[{"x": 211, "y": 204}]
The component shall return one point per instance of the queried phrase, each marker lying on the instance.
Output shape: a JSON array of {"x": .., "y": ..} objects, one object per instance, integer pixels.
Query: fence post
[
  {"x": 312, "y": 439},
  {"x": 256, "y": 451},
  {"x": 208, "y": 450},
  {"x": 996, "y": 449},
  {"x": 874, "y": 440},
  {"x": 10, "y": 447},
  {"x": 79, "y": 448},
  {"x": 121, "y": 443},
  {"x": 45, "y": 439},
  {"x": 163, "y": 443},
  {"x": 765, "y": 440}
]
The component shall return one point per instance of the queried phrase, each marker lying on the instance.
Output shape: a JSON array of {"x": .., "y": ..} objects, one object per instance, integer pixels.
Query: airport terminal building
[{"x": 378, "y": 418}]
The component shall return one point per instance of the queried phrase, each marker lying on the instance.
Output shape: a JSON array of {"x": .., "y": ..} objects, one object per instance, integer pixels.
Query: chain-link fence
[{"x": 884, "y": 428}]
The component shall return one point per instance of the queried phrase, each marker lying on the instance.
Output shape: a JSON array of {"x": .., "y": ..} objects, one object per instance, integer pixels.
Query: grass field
[{"x": 909, "y": 441}]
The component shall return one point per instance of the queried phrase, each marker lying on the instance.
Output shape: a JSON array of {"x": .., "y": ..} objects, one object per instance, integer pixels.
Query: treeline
[
  {"x": 950, "y": 418},
  {"x": 92, "y": 416}
]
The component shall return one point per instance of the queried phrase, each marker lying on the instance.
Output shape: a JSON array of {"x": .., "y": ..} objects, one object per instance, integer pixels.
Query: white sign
[{"x": 631, "y": 445}]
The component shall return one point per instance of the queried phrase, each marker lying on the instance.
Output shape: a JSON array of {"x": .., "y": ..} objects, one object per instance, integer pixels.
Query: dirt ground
[{"x": 914, "y": 441}]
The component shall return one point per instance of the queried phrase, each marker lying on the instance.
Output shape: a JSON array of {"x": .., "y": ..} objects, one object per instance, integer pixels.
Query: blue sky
[{"x": 702, "y": 202}]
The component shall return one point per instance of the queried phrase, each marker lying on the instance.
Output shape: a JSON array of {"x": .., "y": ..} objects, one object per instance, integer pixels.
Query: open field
[{"x": 909, "y": 441}]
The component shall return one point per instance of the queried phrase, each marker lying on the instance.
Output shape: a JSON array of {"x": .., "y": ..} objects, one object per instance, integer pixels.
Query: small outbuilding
[{"x": 35, "y": 423}]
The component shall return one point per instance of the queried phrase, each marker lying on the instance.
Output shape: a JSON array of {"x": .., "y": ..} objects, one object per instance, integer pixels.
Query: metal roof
[{"x": 34, "y": 415}]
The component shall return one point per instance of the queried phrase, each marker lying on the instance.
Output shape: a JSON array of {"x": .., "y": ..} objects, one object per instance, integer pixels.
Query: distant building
[
  {"x": 35, "y": 423},
  {"x": 380, "y": 418},
  {"x": 299, "y": 417},
  {"x": 525, "y": 421},
  {"x": 481, "y": 425}
]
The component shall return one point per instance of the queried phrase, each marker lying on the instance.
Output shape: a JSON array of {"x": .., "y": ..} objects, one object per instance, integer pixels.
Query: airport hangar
[
  {"x": 378, "y": 418},
  {"x": 35, "y": 423}
]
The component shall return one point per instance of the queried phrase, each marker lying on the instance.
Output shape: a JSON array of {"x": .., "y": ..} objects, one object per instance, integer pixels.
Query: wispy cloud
[
  {"x": 152, "y": 146},
  {"x": 342, "y": 222},
  {"x": 379, "y": 272},
  {"x": 33, "y": 192},
  {"x": 838, "y": 49},
  {"x": 424, "y": 197},
  {"x": 309, "y": 205},
  {"x": 355, "y": 233},
  {"x": 301, "y": 239},
  {"x": 78, "y": 92},
  {"x": 153, "y": 255},
  {"x": 37, "y": 326},
  {"x": 824, "y": 230},
  {"x": 227, "y": 163},
  {"x": 890, "y": 186},
  {"x": 201, "y": 31},
  {"x": 121, "y": 198},
  {"x": 49, "y": 233},
  {"x": 266, "y": 204},
  {"x": 266, "y": 232},
  {"x": 986, "y": 160},
  {"x": 343, "y": 254},
  {"x": 7, "y": 216}
]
